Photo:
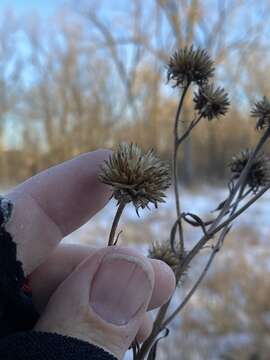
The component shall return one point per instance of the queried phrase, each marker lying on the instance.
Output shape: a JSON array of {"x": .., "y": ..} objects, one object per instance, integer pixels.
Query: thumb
[{"x": 103, "y": 301}]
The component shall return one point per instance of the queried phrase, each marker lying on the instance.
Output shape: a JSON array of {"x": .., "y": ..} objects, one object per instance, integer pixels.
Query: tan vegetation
[{"x": 79, "y": 82}]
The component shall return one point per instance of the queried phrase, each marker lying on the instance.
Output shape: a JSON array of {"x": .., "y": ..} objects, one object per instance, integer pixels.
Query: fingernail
[{"x": 119, "y": 289}]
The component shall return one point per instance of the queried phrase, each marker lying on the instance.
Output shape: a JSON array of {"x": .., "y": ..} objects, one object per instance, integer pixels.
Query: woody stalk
[{"x": 141, "y": 178}]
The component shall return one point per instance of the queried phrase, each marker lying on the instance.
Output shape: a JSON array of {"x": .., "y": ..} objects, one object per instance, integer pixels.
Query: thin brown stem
[
  {"x": 162, "y": 312},
  {"x": 241, "y": 210},
  {"x": 115, "y": 223},
  {"x": 187, "y": 132},
  {"x": 225, "y": 226},
  {"x": 158, "y": 325},
  {"x": 242, "y": 178},
  {"x": 191, "y": 292},
  {"x": 197, "y": 283},
  {"x": 146, "y": 346},
  {"x": 215, "y": 227},
  {"x": 212, "y": 230},
  {"x": 242, "y": 197},
  {"x": 175, "y": 167},
  {"x": 204, "y": 239}
]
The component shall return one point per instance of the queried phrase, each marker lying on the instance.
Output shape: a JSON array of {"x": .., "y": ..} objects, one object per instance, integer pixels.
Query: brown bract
[
  {"x": 261, "y": 111},
  {"x": 211, "y": 102},
  {"x": 162, "y": 251},
  {"x": 259, "y": 174},
  {"x": 137, "y": 177},
  {"x": 188, "y": 65}
]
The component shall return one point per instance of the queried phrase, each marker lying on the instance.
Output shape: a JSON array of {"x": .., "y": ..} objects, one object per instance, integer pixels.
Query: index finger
[{"x": 54, "y": 203}]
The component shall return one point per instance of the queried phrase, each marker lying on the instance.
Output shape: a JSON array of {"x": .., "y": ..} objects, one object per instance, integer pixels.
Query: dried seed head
[
  {"x": 188, "y": 65},
  {"x": 163, "y": 251},
  {"x": 136, "y": 177},
  {"x": 261, "y": 111},
  {"x": 259, "y": 174},
  {"x": 211, "y": 102}
]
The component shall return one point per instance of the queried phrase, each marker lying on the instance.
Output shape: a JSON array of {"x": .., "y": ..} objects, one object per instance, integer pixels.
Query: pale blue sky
[
  {"x": 46, "y": 7},
  {"x": 108, "y": 8}
]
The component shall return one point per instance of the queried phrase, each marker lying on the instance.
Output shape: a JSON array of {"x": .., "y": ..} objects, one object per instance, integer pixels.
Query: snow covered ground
[
  {"x": 253, "y": 227},
  {"x": 201, "y": 202}
]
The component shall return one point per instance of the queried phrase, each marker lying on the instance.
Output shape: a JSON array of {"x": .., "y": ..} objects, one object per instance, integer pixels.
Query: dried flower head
[
  {"x": 163, "y": 251},
  {"x": 188, "y": 65},
  {"x": 211, "y": 102},
  {"x": 261, "y": 111},
  {"x": 136, "y": 177},
  {"x": 259, "y": 174}
]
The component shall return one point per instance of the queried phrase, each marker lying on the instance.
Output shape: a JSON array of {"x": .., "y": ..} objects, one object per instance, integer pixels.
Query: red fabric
[{"x": 26, "y": 286}]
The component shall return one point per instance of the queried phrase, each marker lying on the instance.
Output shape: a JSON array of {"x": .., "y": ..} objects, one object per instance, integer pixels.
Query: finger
[
  {"x": 103, "y": 301},
  {"x": 54, "y": 203},
  {"x": 164, "y": 285},
  {"x": 48, "y": 276},
  {"x": 145, "y": 329}
]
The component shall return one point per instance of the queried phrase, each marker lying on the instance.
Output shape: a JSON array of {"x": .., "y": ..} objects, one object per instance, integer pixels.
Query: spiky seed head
[
  {"x": 259, "y": 174},
  {"x": 137, "y": 177},
  {"x": 261, "y": 111},
  {"x": 188, "y": 65},
  {"x": 163, "y": 251},
  {"x": 211, "y": 102}
]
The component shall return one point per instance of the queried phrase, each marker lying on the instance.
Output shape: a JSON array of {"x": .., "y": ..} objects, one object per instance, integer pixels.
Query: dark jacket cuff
[{"x": 32, "y": 345}]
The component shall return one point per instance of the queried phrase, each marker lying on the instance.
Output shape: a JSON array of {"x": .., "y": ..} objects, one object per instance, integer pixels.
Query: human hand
[{"x": 98, "y": 295}]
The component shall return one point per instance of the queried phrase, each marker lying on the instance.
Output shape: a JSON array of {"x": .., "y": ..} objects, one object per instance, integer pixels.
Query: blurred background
[{"x": 79, "y": 75}]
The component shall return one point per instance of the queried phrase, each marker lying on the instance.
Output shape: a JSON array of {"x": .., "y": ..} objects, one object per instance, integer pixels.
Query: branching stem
[
  {"x": 224, "y": 226},
  {"x": 194, "y": 288},
  {"x": 204, "y": 239},
  {"x": 213, "y": 228},
  {"x": 175, "y": 167},
  {"x": 187, "y": 132},
  {"x": 158, "y": 325},
  {"x": 115, "y": 223}
]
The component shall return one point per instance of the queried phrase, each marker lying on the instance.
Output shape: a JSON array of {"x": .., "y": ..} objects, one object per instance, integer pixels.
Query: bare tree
[{"x": 230, "y": 32}]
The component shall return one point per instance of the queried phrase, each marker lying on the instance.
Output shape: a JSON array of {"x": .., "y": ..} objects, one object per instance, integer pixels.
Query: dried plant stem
[
  {"x": 157, "y": 327},
  {"x": 240, "y": 198},
  {"x": 158, "y": 324},
  {"x": 206, "y": 223},
  {"x": 115, "y": 223},
  {"x": 146, "y": 346},
  {"x": 204, "y": 239},
  {"x": 193, "y": 123},
  {"x": 162, "y": 312},
  {"x": 197, "y": 283},
  {"x": 242, "y": 179},
  {"x": 241, "y": 210},
  {"x": 213, "y": 228},
  {"x": 175, "y": 167},
  {"x": 216, "y": 248},
  {"x": 236, "y": 195}
]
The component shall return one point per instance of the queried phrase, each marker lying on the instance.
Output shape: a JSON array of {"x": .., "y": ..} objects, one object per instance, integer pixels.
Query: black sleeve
[
  {"x": 33, "y": 345},
  {"x": 18, "y": 315}
]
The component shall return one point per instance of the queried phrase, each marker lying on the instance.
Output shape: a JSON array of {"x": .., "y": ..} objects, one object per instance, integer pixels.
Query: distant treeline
[
  {"x": 213, "y": 145},
  {"x": 78, "y": 82}
]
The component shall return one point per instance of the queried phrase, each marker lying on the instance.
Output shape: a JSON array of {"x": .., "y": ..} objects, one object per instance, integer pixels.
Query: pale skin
[{"x": 48, "y": 207}]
